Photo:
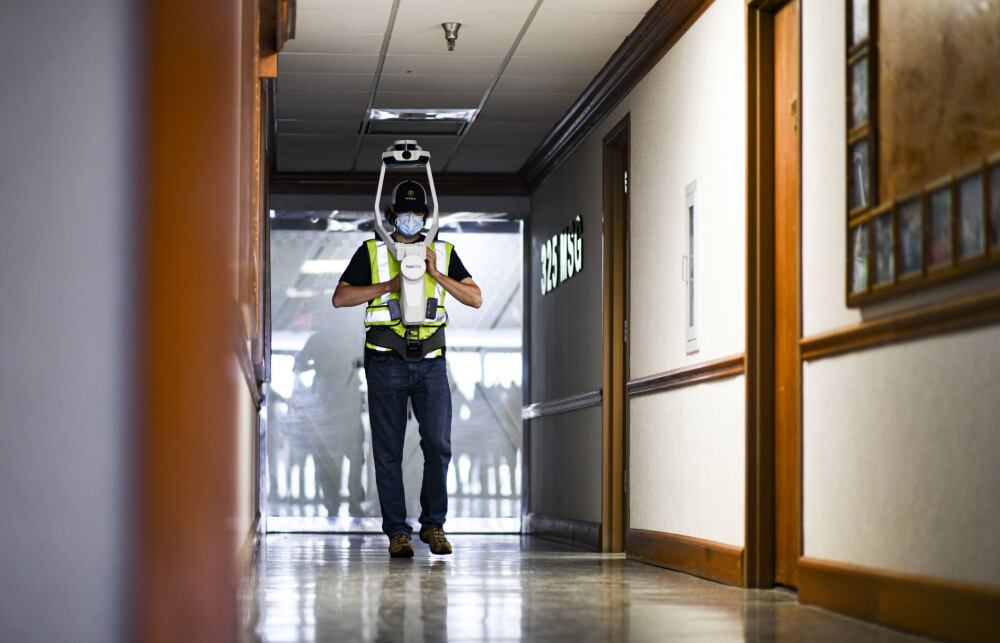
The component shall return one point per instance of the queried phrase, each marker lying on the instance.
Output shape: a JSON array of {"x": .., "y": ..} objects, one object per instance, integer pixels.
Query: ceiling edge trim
[{"x": 661, "y": 28}]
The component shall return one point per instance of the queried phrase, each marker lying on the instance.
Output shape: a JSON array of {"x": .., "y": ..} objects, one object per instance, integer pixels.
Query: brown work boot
[
  {"x": 435, "y": 538},
  {"x": 399, "y": 545}
]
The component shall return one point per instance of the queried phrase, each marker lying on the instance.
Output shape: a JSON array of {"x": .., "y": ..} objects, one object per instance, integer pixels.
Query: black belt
[{"x": 409, "y": 348}]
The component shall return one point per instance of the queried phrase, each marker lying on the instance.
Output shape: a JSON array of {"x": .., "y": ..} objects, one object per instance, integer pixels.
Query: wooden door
[
  {"x": 787, "y": 366},
  {"x": 614, "y": 513}
]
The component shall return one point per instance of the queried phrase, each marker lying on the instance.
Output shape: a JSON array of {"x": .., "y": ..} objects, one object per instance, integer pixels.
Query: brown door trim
[
  {"x": 760, "y": 537},
  {"x": 614, "y": 442},
  {"x": 787, "y": 297}
]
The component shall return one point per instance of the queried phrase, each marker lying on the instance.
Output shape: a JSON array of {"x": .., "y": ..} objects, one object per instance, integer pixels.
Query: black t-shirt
[{"x": 359, "y": 270}]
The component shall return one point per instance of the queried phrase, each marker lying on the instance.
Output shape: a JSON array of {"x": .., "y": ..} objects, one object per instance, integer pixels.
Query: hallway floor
[{"x": 509, "y": 588}]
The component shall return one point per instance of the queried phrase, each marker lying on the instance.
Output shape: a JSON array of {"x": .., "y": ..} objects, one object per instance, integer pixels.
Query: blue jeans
[{"x": 391, "y": 381}]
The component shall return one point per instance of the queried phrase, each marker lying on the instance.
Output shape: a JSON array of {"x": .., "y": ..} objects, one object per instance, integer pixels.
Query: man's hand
[
  {"x": 394, "y": 284},
  {"x": 432, "y": 263}
]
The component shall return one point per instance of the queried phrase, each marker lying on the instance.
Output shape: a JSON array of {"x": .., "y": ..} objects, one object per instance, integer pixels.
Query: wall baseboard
[
  {"x": 705, "y": 558},
  {"x": 928, "y": 606},
  {"x": 580, "y": 533},
  {"x": 246, "y": 555}
]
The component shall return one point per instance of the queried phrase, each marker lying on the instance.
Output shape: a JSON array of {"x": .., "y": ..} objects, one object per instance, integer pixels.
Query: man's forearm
[
  {"x": 347, "y": 295},
  {"x": 466, "y": 292}
]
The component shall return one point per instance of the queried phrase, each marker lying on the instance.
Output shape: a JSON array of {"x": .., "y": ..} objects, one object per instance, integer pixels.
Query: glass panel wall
[{"x": 320, "y": 469}]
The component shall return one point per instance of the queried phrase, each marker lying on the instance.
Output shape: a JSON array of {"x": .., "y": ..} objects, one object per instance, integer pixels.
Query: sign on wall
[{"x": 562, "y": 255}]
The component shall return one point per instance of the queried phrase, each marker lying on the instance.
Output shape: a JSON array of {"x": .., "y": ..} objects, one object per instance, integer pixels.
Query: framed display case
[{"x": 923, "y": 144}]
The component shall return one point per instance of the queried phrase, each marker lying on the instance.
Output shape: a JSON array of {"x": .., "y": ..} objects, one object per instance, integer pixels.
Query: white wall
[
  {"x": 686, "y": 461},
  {"x": 66, "y": 319},
  {"x": 902, "y": 457},
  {"x": 901, "y": 448},
  {"x": 688, "y": 116},
  {"x": 687, "y": 121}
]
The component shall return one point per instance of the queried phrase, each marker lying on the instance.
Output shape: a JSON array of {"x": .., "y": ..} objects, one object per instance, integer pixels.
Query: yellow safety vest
[{"x": 385, "y": 311}]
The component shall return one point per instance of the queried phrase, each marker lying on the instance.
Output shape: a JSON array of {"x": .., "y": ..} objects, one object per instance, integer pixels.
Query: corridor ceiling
[{"x": 523, "y": 61}]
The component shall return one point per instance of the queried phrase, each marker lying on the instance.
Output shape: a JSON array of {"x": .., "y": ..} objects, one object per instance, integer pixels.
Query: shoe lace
[
  {"x": 437, "y": 535},
  {"x": 400, "y": 539}
]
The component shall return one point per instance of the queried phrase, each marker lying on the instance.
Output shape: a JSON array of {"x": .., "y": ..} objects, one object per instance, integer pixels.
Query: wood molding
[
  {"x": 562, "y": 405},
  {"x": 938, "y": 319},
  {"x": 658, "y": 31},
  {"x": 267, "y": 34},
  {"x": 929, "y": 606},
  {"x": 241, "y": 352},
  {"x": 351, "y": 183},
  {"x": 581, "y": 533},
  {"x": 246, "y": 555},
  {"x": 286, "y": 22},
  {"x": 759, "y": 363},
  {"x": 717, "y": 369},
  {"x": 705, "y": 558}
]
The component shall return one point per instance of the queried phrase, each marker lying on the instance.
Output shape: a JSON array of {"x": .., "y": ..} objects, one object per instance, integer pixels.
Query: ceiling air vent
[{"x": 419, "y": 122}]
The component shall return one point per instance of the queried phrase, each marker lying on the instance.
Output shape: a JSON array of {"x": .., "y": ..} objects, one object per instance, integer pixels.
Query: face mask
[{"x": 409, "y": 224}]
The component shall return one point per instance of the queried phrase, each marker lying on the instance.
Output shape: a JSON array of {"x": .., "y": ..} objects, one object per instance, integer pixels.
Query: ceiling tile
[
  {"x": 427, "y": 100},
  {"x": 328, "y": 63},
  {"x": 597, "y": 35},
  {"x": 329, "y": 5},
  {"x": 585, "y": 24},
  {"x": 327, "y": 160},
  {"x": 336, "y": 43},
  {"x": 443, "y": 65},
  {"x": 435, "y": 82},
  {"x": 327, "y": 107},
  {"x": 344, "y": 128},
  {"x": 561, "y": 84},
  {"x": 317, "y": 141},
  {"x": 516, "y": 136},
  {"x": 456, "y": 8},
  {"x": 525, "y": 108},
  {"x": 484, "y": 159},
  {"x": 582, "y": 65},
  {"x": 294, "y": 82},
  {"x": 599, "y": 6},
  {"x": 346, "y": 100},
  {"x": 361, "y": 17}
]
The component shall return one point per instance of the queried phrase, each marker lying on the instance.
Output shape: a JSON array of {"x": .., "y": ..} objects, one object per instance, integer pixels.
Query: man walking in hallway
[{"x": 407, "y": 363}]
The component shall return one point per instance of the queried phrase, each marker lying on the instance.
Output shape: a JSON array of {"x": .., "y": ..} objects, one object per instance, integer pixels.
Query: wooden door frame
[
  {"x": 614, "y": 459},
  {"x": 760, "y": 537}
]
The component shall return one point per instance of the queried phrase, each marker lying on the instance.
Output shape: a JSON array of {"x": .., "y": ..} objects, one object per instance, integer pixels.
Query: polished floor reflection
[{"x": 509, "y": 588}]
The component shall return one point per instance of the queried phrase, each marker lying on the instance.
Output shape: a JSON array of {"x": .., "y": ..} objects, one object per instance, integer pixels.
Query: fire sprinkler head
[{"x": 451, "y": 33}]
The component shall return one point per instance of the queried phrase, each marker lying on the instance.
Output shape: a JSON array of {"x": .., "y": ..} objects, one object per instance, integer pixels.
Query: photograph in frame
[
  {"x": 911, "y": 238},
  {"x": 884, "y": 269},
  {"x": 859, "y": 259},
  {"x": 940, "y": 227},
  {"x": 995, "y": 205},
  {"x": 971, "y": 240}
]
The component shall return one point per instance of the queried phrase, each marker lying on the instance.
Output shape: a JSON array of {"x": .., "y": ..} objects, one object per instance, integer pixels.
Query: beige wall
[
  {"x": 901, "y": 452},
  {"x": 687, "y": 124}
]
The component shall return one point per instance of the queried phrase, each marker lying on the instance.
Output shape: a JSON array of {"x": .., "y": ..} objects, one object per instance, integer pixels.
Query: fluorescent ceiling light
[
  {"x": 324, "y": 266},
  {"x": 460, "y": 115}
]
